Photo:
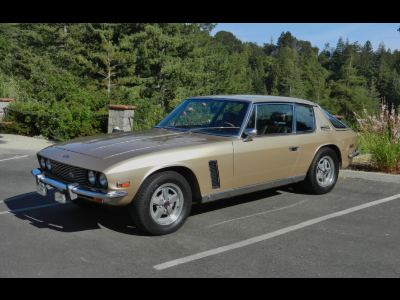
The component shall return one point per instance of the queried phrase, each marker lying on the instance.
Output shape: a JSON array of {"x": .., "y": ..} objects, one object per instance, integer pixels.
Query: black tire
[
  {"x": 84, "y": 203},
  {"x": 143, "y": 203},
  {"x": 322, "y": 186}
]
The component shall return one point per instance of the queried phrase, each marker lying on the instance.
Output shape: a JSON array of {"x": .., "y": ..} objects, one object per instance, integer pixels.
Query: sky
[{"x": 317, "y": 33}]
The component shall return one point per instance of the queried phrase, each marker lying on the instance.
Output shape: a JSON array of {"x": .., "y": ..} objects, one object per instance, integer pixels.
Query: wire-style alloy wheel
[
  {"x": 325, "y": 171},
  {"x": 166, "y": 204}
]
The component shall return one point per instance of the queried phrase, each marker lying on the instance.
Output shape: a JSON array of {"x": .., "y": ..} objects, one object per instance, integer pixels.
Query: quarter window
[
  {"x": 274, "y": 119},
  {"x": 335, "y": 122},
  {"x": 304, "y": 118}
]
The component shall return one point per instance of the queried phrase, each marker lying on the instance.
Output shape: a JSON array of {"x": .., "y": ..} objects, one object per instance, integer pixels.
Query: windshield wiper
[
  {"x": 198, "y": 128},
  {"x": 190, "y": 130},
  {"x": 186, "y": 125},
  {"x": 178, "y": 126}
]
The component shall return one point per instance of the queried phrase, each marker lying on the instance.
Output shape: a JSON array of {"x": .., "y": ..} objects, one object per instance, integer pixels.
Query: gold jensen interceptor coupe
[{"x": 208, "y": 148}]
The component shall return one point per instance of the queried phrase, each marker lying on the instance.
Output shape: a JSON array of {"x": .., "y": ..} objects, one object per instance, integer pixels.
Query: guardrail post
[{"x": 121, "y": 116}]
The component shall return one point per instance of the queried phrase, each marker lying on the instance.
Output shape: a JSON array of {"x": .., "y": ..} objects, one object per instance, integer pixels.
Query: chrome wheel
[
  {"x": 325, "y": 171},
  {"x": 166, "y": 204}
]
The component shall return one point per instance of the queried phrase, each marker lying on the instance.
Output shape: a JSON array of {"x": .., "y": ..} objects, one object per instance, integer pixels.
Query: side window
[
  {"x": 304, "y": 118},
  {"x": 274, "y": 119}
]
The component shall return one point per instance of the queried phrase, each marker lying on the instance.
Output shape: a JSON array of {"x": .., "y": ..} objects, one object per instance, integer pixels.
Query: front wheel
[
  {"x": 323, "y": 172},
  {"x": 162, "y": 204}
]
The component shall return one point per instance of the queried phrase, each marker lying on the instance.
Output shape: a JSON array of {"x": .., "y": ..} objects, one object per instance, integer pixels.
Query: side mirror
[{"x": 250, "y": 133}]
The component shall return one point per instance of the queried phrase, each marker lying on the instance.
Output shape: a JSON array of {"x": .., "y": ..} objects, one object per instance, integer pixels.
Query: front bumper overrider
[{"x": 73, "y": 190}]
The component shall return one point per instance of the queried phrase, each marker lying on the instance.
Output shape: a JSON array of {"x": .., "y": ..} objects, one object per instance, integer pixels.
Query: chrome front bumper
[
  {"x": 72, "y": 190},
  {"x": 354, "y": 154}
]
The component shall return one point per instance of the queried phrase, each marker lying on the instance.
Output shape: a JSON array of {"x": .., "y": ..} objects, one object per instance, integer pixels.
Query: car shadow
[
  {"x": 295, "y": 188},
  {"x": 201, "y": 208},
  {"x": 43, "y": 212},
  {"x": 69, "y": 217}
]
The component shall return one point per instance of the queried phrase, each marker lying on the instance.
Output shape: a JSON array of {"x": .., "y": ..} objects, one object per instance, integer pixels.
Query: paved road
[{"x": 41, "y": 238}]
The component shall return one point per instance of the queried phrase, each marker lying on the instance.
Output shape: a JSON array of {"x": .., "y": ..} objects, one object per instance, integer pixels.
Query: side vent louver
[{"x": 213, "y": 165}]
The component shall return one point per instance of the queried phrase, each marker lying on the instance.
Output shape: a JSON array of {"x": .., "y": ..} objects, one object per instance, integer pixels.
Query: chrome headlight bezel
[
  {"x": 48, "y": 164},
  {"x": 43, "y": 163},
  {"x": 91, "y": 177},
  {"x": 102, "y": 180}
]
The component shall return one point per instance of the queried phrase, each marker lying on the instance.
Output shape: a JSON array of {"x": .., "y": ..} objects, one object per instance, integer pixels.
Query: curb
[{"x": 370, "y": 176}]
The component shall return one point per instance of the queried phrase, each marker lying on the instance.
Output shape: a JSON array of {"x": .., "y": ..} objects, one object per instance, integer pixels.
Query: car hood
[{"x": 115, "y": 144}]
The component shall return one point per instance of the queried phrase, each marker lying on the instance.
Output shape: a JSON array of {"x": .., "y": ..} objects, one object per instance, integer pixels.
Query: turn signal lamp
[
  {"x": 98, "y": 200},
  {"x": 123, "y": 184}
]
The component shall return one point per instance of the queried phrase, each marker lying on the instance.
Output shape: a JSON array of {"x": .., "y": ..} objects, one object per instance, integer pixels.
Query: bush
[
  {"x": 361, "y": 144},
  {"x": 380, "y": 135},
  {"x": 75, "y": 120}
]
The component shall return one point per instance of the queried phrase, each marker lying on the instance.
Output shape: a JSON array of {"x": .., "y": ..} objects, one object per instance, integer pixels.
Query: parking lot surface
[{"x": 287, "y": 231}]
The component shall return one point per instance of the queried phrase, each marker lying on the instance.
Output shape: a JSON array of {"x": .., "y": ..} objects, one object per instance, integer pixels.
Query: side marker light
[
  {"x": 123, "y": 184},
  {"x": 352, "y": 145},
  {"x": 98, "y": 200}
]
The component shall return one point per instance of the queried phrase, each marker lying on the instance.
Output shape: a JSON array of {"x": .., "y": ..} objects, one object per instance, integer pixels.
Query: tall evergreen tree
[{"x": 110, "y": 57}]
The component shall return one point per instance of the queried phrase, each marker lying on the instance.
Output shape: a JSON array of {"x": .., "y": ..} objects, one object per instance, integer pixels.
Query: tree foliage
[{"x": 75, "y": 69}]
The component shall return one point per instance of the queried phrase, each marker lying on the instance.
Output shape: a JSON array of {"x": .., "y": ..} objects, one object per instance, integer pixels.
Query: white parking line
[
  {"x": 28, "y": 208},
  {"x": 14, "y": 157},
  {"x": 270, "y": 235}
]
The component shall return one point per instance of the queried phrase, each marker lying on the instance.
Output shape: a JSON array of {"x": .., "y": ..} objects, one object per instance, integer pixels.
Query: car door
[{"x": 273, "y": 153}]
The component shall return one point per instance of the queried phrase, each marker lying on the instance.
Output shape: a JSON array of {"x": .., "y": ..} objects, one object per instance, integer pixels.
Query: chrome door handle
[{"x": 291, "y": 149}]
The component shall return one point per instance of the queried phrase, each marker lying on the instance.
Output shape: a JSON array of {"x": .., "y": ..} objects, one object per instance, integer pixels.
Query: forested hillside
[{"x": 74, "y": 70}]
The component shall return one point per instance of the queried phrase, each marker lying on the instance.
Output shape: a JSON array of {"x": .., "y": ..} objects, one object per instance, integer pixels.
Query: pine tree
[{"x": 110, "y": 58}]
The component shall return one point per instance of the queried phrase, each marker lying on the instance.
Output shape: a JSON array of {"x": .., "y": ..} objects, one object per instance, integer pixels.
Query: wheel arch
[{"x": 188, "y": 174}]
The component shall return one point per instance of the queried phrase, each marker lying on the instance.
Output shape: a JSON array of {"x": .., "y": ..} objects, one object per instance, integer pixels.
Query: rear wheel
[
  {"x": 162, "y": 204},
  {"x": 323, "y": 172}
]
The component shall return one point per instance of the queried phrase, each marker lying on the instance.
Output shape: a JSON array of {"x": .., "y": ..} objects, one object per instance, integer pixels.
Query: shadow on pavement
[
  {"x": 69, "y": 217},
  {"x": 228, "y": 202}
]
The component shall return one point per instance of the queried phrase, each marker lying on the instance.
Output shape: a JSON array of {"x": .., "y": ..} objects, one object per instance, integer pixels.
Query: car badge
[
  {"x": 66, "y": 156},
  {"x": 71, "y": 175}
]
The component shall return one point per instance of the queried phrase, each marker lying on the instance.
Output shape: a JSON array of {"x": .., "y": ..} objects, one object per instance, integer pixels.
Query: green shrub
[
  {"x": 380, "y": 135},
  {"x": 75, "y": 120},
  {"x": 361, "y": 144}
]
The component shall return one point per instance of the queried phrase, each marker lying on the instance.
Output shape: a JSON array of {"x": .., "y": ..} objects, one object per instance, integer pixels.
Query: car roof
[{"x": 257, "y": 98}]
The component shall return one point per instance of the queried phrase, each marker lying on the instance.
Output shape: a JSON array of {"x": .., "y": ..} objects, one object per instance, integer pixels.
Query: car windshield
[{"x": 207, "y": 113}]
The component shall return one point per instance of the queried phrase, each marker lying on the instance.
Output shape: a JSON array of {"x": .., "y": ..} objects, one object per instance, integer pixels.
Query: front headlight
[
  {"x": 91, "y": 177},
  {"x": 43, "y": 163},
  {"x": 48, "y": 164},
  {"x": 103, "y": 180}
]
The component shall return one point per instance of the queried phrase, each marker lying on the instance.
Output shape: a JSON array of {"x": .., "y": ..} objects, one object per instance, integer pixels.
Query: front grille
[{"x": 63, "y": 171}]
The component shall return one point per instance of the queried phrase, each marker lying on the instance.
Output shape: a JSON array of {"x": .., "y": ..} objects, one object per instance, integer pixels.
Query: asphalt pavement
[{"x": 289, "y": 233}]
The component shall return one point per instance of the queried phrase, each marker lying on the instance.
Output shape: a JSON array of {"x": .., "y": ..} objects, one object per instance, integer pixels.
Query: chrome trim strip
[
  {"x": 74, "y": 189},
  {"x": 354, "y": 154},
  {"x": 294, "y": 121},
  {"x": 247, "y": 119},
  {"x": 252, "y": 188}
]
